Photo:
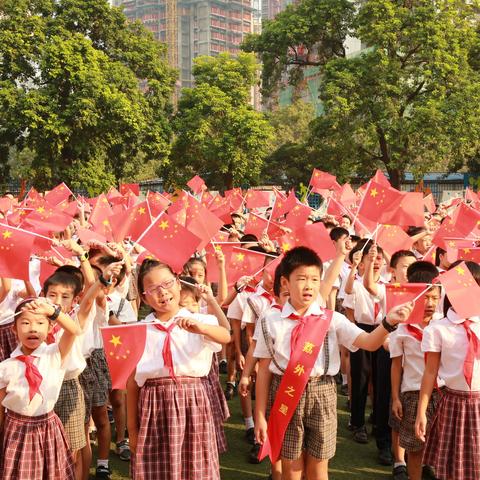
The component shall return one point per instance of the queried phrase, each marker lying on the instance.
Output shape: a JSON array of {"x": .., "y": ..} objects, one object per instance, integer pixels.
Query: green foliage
[
  {"x": 218, "y": 134},
  {"x": 82, "y": 89},
  {"x": 409, "y": 101}
]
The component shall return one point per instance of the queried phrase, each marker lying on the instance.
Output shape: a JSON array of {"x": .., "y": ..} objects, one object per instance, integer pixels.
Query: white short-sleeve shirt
[
  {"x": 363, "y": 303},
  {"x": 448, "y": 336},
  {"x": 12, "y": 377},
  {"x": 340, "y": 332},
  {"x": 191, "y": 353}
]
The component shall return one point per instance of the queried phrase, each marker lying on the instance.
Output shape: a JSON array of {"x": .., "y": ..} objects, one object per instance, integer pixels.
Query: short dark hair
[
  {"x": 398, "y": 255},
  {"x": 185, "y": 287},
  {"x": 106, "y": 260},
  {"x": 439, "y": 251},
  {"x": 338, "y": 232},
  {"x": 277, "y": 284},
  {"x": 422, "y": 272},
  {"x": 65, "y": 280},
  {"x": 71, "y": 269},
  {"x": 248, "y": 238},
  {"x": 146, "y": 267},
  {"x": 412, "y": 231},
  {"x": 300, "y": 257}
]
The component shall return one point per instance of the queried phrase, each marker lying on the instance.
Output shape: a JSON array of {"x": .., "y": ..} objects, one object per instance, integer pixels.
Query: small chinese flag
[
  {"x": 257, "y": 225},
  {"x": 322, "y": 180},
  {"x": 157, "y": 203},
  {"x": 15, "y": 248},
  {"x": 392, "y": 239},
  {"x": 113, "y": 193},
  {"x": 86, "y": 236},
  {"x": 212, "y": 264},
  {"x": 408, "y": 212},
  {"x": 130, "y": 223},
  {"x": 257, "y": 199},
  {"x": 124, "y": 346},
  {"x": 377, "y": 200},
  {"x": 472, "y": 254},
  {"x": 196, "y": 184},
  {"x": 462, "y": 290},
  {"x": 283, "y": 205},
  {"x": 132, "y": 187},
  {"x": 59, "y": 194},
  {"x": 99, "y": 218},
  {"x": 429, "y": 203},
  {"x": 170, "y": 242},
  {"x": 297, "y": 217},
  {"x": 346, "y": 196},
  {"x": 448, "y": 229},
  {"x": 46, "y": 218},
  {"x": 243, "y": 262},
  {"x": 400, "y": 293}
]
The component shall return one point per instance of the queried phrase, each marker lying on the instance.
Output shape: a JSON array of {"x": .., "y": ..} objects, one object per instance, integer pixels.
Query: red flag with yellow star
[
  {"x": 58, "y": 194},
  {"x": 400, "y": 293},
  {"x": 124, "y": 346},
  {"x": 392, "y": 239},
  {"x": 132, "y": 187},
  {"x": 170, "y": 242},
  {"x": 257, "y": 199},
  {"x": 15, "y": 248},
  {"x": 130, "y": 223},
  {"x": 46, "y": 218},
  {"x": 243, "y": 262},
  {"x": 157, "y": 203},
  {"x": 99, "y": 218},
  {"x": 322, "y": 180},
  {"x": 377, "y": 200},
  {"x": 462, "y": 290},
  {"x": 201, "y": 221},
  {"x": 197, "y": 184}
]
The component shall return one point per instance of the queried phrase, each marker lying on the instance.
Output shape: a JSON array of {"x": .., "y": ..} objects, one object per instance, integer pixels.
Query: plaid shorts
[
  {"x": 88, "y": 381},
  {"x": 408, "y": 439},
  {"x": 98, "y": 363},
  {"x": 313, "y": 426},
  {"x": 70, "y": 408},
  {"x": 35, "y": 448}
]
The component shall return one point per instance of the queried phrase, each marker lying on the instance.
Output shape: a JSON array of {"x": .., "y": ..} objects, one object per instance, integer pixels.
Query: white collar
[
  {"x": 457, "y": 320},
  {"x": 40, "y": 350},
  {"x": 313, "y": 309}
]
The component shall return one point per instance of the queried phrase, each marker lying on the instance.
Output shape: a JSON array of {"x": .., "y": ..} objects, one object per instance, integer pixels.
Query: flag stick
[
  {"x": 361, "y": 202},
  {"x": 371, "y": 236}
]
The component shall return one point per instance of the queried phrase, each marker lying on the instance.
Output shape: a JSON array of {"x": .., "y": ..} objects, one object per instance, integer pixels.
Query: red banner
[{"x": 296, "y": 376}]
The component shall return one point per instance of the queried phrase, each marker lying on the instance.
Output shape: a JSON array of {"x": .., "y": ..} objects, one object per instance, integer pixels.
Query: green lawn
[{"x": 352, "y": 461}]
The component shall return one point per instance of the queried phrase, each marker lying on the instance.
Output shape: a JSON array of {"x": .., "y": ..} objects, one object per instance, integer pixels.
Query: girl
[
  {"x": 34, "y": 444},
  {"x": 170, "y": 421},
  {"x": 453, "y": 345}
]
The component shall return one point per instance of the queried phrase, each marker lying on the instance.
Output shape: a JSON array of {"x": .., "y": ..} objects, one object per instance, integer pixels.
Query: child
[
  {"x": 408, "y": 365},
  {"x": 296, "y": 331},
  {"x": 170, "y": 421},
  {"x": 454, "y": 434},
  {"x": 34, "y": 444}
]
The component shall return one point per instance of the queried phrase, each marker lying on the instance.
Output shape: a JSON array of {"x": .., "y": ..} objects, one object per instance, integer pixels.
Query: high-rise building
[
  {"x": 193, "y": 27},
  {"x": 270, "y": 8}
]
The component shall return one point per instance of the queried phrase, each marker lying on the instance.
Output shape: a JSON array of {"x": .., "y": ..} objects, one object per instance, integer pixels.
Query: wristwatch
[
  {"x": 58, "y": 310},
  {"x": 104, "y": 281},
  {"x": 389, "y": 328},
  {"x": 83, "y": 257}
]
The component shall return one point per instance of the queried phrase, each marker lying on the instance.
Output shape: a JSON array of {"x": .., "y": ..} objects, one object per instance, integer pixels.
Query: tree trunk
[
  {"x": 228, "y": 180},
  {"x": 396, "y": 177}
]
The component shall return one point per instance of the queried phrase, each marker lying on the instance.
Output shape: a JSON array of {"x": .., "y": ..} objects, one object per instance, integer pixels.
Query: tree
[
  {"x": 409, "y": 101},
  {"x": 218, "y": 134},
  {"x": 291, "y": 158},
  {"x": 84, "y": 90}
]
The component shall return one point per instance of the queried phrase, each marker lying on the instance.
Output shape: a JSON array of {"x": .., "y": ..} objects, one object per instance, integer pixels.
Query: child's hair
[
  {"x": 65, "y": 280},
  {"x": 364, "y": 245},
  {"x": 398, "y": 255},
  {"x": 347, "y": 216},
  {"x": 188, "y": 266},
  {"x": 270, "y": 257},
  {"x": 474, "y": 269},
  {"x": 338, "y": 232},
  {"x": 412, "y": 231},
  {"x": 277, "y": 284},
  {"x": 439, "y": 251},
  {"x": 185, "y": 288},
  {"x": 20, "y": 306},
  {"x": 299, "y": 257},
  {"x": 72, "y": 270},
  {"x": 147, "y": 266},
  {"x": 355, "y": 238},
  {"x": 249, "y": 238},
  {"x": 422, "y": 272},
  {"x": 106, "y": 260}
]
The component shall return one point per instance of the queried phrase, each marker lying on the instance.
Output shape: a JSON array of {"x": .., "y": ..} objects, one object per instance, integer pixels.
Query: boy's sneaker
[
  {"x": 230, "y": 390},
  {"x": 253, "y": 455},
  {"x": 222, "y": 366},
  {"x": 400, "y": 473},
  {"x": 428, "y": 473},
  {"x": 360, "y": 435},
  {"x": 123, "y": 450},
  {"x": 344, "y": 390},
  {"x": 102, "y": 473},
  {"x": 250, "y": 436}
]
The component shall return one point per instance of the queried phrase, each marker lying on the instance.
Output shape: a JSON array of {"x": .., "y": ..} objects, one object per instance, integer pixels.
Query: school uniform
[
  {"x": 176, "y": 437},
  {"x": 314, "y": 424},
  {"x": 452, "y": 444},
  {"x": 368, "y": 313},
  {"x": 406, "y": 342},
  {"x": 70, "y": 406},
  {"x": 34, "y": 444}
]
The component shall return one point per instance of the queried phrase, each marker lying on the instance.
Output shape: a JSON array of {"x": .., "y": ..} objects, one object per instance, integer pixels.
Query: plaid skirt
[
  {"x": 35, "y": 448},
  {"x": 408, "y": 439},
  {"x": 8, "y": 341},
  {"x": 454, "y": 440},
  {"x": 88, "y": 382},
  {"x": 103, "y": 383},
  {"x": 176, "y": 437},
  {"x": 313, "y": 426},
  {"x": 70, "y": 408},
  {"x": 218, "y": 404}
]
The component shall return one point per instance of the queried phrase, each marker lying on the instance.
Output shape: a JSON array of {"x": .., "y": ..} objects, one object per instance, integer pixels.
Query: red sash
[{"x": 304, "y": 354}]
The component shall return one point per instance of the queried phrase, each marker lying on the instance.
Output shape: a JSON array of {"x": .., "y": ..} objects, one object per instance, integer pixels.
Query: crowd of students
[{"x": 286, "y": 336}]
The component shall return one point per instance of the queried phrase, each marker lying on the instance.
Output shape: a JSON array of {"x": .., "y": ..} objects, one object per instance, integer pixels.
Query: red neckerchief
[
  {"x": 415, "y": 332},
  {"x": 473, "y": 352},
  {"x": 167, "y": 347},
  {"x": 33, "y": 376}
]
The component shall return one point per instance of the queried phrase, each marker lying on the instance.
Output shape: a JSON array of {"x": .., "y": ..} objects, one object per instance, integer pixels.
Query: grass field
[{"x": 352, "y": 461}]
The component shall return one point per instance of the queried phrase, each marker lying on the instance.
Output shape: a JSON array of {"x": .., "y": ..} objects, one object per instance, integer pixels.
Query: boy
[
  {"x": 408, "y": 365},
  {"x": 311, "y": 416}
]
